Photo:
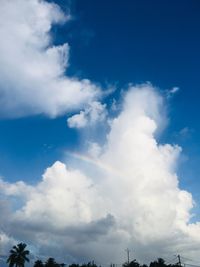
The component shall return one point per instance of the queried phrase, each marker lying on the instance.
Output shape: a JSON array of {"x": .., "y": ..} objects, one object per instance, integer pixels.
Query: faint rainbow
[{"x": 100, "y": 164}]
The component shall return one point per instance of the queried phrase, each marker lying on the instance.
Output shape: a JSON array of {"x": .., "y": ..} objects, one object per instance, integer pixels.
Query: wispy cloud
[{"x": 172, "y": 91}]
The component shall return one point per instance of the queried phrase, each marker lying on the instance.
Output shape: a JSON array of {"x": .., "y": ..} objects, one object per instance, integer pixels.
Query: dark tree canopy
[
  {"x": 133, "y": 263},
  {"x": 51, "y": 263},
  {"x": 38, "y": 263}
]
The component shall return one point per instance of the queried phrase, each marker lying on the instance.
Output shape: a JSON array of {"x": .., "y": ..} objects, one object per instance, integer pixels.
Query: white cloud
[
  {"x": 95, "y": 112},
  {"x": 32, "y": 69},
  {"x": 78, "y": 120},
  {"x": 134, "y": 199}
]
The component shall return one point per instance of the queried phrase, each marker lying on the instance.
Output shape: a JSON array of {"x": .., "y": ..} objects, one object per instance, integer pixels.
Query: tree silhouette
[
  {"x": 74, "y": 265},
  {"x": 18, "y": 256},
  {"x": 159, "y": 263},
  {"x": 133, "y": 263},
  {"x": 38, "y": 263},
  {"x": 89, "y": 264},
  {"x": 51, "y": 263}
]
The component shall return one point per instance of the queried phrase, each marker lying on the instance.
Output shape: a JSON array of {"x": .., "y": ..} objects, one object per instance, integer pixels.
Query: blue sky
[
  {"x": 112, "y": 44},
  {"x": 130, "y": 42}
]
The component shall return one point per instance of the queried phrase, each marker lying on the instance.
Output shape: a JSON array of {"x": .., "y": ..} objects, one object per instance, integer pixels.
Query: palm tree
[{"x": 18, "y": 255}]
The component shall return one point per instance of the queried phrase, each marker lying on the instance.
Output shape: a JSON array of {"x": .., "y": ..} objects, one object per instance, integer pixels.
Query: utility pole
[
  {"x": 179, "y": 260},
  {"x": 128, "y": 253}
]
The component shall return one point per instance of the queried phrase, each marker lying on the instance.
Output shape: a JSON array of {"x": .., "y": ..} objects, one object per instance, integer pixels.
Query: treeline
[
  {"x": 157, "y": 263},
  {"x": 52, "y": 263},
  {"x": 19, "y": 255}
]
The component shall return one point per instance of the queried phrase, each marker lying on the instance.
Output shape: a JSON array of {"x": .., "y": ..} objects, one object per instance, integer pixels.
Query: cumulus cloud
[
  {"x": 32, "y": 68},
  {"x": 94, "y": 113},
  {"x": 134, "y": 199}
]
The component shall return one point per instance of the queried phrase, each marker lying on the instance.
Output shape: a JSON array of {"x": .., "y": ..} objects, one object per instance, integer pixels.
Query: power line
[
  {"x": 184, "y": 258},
  {"x": 186, "y": 264},
  {"x": 171, "y": 260}
]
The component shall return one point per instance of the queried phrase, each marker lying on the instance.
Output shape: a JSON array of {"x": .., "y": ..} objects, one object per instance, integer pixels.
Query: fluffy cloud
[
  {"x": 133, "y": 200},
  {"x": 32, "y": 69},
  {"x": 95, "y": 112}
]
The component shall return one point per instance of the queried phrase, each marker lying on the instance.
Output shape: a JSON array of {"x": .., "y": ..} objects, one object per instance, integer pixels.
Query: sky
[{"x": 99, "y": 129}]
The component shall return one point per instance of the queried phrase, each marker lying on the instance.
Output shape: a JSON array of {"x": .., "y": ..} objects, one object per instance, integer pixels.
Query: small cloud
[
  {"x": 184, "y": 133},
  {"x": 77, "y": 120},
  {"x": 95, "y": 112},
  {"x": 172, "y": 91}
]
